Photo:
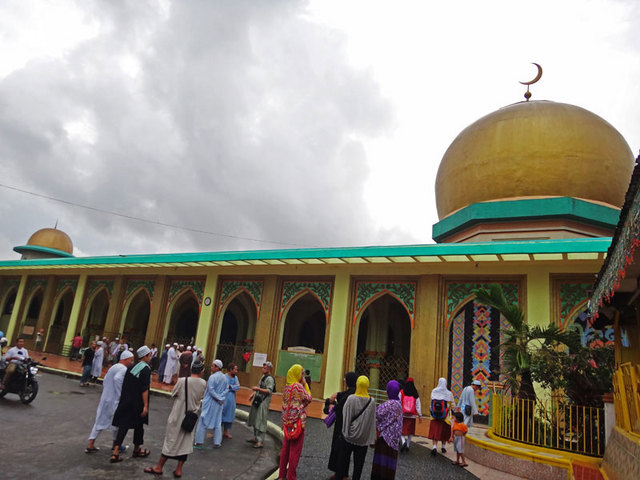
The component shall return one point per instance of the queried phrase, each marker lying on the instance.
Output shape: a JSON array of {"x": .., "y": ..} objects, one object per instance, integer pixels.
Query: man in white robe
[
  {"x": 212, "y": 405},
  {"x": 172, "y": 365},
  {"x": 111, "y": 389},
  {"x": 96, "y": 366},
  {"x": 468, "y": 398}
]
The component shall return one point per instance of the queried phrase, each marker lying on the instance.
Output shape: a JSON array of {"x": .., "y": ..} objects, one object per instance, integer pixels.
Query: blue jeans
[{"x": 86, "y": 374}]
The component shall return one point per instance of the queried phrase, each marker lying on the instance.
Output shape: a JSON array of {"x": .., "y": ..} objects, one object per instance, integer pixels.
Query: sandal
[
  {"x": 115, "y": 458},
  {"x": 91, "y": 450},
  {"x": 140, "y": 453},
  {"x": 455, "y": 463},
  {"x": 152, "y": 471},
  {"x": 176, "y": 475},
  {"x": 463, "y": 465}
]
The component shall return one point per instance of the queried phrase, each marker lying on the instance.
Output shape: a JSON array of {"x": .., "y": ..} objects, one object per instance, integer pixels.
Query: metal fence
[
  {"x": 554, "y": 424},
  {"x": 626, "y": 397},
  {"x": 228, "y": 352},
  {"x": 390, "y": 367}
]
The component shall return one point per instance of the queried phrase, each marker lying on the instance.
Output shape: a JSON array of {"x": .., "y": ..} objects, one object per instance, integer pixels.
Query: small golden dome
[
  {"x": 534, "y": 149},
  {"x": 52, "y": 238}
]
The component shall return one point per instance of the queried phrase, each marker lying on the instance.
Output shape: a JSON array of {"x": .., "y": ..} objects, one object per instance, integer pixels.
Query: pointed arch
[
  {"x": 59, "y": 321},
  {"x": 183, "y": 313},
  {"x": 382, "y": 338},
  {"x": 135, "y": 316}
]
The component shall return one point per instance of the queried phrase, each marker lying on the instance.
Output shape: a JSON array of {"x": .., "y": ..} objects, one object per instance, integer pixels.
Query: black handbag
[{"x": 190, "y": 418}]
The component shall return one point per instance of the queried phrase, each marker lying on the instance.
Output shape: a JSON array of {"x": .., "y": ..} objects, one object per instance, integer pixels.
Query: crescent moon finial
[{"x": 527, "y": 95}]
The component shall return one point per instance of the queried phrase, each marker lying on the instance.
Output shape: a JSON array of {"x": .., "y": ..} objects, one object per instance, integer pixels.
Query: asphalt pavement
[
  {"x": 46, "y": 440},
  {"x": 417, "y": 463}
]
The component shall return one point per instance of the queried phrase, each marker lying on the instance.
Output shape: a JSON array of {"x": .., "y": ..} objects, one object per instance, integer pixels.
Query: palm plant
[{"x": 520, "y": 339}]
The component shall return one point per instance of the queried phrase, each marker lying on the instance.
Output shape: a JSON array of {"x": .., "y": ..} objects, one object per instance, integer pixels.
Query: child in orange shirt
[{"x": 458, "y": 432}]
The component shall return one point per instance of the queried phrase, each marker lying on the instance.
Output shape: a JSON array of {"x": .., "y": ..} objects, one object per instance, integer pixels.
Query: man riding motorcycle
[{"x": 15, "y": 355}]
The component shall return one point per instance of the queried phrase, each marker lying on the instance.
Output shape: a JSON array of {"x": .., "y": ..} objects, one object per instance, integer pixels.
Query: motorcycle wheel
[
  {"x": 29, "y": 393},
  {"x": 3, "y": 392}
]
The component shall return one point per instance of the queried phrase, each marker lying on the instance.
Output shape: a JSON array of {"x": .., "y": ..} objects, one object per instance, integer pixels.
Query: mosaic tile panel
[{"x": 459, "y": 293}]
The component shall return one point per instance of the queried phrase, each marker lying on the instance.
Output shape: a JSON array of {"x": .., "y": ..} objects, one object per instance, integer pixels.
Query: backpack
[
  {"x": 438, "y": 409},
  {"x": 409, "y": 405}
]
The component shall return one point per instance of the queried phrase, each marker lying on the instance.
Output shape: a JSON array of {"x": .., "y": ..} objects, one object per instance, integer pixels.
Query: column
[
  {"x": 538, "y": 298},
  {"x": 157, "y": 313},
  {"x": 75, "y": 309},
  {"x": 207, "y": 313},
  {"x": 17, "y": 307},
  {"x": 338, "y": 324}
]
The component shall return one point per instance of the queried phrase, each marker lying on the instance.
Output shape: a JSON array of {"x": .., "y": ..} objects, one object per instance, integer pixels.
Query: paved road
[
  {"x": 415, "y": 464},
  {"x": 50, "y": 436}
]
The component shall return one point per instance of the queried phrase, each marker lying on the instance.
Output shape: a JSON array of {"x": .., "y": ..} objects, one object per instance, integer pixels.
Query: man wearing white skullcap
[
  {"x": 133, "y": 409},
  {"x": 172, "y": 365},
  {"x": 212, "y": 405},
  {"x": 111, "y": 388}
]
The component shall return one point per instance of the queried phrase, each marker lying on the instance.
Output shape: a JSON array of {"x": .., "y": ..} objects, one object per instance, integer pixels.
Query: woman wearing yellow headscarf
[
  {"x": 358, "y": 429},
  {"x": 295, "y": 398}
]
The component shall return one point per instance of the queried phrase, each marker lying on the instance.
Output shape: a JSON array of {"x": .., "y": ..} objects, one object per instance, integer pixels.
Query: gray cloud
[{"x": 235, "y": 117}]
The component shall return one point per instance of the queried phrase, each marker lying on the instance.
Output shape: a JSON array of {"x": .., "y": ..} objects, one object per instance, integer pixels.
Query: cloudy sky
[{"x": 274, "y": 124}]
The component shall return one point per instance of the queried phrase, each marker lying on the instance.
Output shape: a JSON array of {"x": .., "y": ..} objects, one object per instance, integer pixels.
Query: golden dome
[
  {"x": 52, "y": 238},
  {"x": 534, "y": 149}
]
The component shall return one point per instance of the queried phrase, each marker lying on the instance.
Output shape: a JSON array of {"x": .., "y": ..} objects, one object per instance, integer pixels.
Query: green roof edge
[
  {"x": 38, "y": 248},
  {"x": 533, "y": 208},
  {"x": 582, "y": 245}
]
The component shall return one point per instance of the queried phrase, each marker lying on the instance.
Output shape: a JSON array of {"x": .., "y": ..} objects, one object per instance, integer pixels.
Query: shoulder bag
[{"x": 190, "y": 418}]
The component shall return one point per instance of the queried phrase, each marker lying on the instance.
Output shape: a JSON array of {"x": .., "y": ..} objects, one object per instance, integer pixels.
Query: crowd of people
[
  {"x": 124, "y": 404},
  {"x": 358, "y": 424}
]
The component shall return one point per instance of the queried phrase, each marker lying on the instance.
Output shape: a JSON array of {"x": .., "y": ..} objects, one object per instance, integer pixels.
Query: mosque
[{"x": 528, "y": 197}]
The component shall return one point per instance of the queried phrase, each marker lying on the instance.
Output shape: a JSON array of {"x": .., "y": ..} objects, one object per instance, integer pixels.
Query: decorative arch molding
[
  {"x": 293, "y": 289},
  {"x": 96, "y": 284},
  {"x": 459, "y": 294},
  {"x": 231, "y": 288},
  {"x": 65, "y": 283},
  {"x": 7, "y": 285},
  {"x": 133, "y": 285},
  {"x": 34, "y": 283},
  {"x": 179, "y": 286},
  {"x": 367, "y": 292}
]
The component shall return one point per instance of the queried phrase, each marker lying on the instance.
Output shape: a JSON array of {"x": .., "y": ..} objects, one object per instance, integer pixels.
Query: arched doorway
[
  {"x": 183, "y": 323},
  {"x": 303, "y": 336},
  {"x": 96, "y": 316},
  {"x": 474, "y": 346},
  {"x": 384, "y": 342},
  {"x": 305, "y": 324},
  {"x": 59, "y": 322},
  {"x": 237, "y": 331},
  {"x": 6, "y": 309},
  {"x": 137, "y": 318}
]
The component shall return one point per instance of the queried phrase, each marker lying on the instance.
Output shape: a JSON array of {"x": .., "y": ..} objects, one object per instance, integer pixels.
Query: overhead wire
[{"x": 146, "y": 220}]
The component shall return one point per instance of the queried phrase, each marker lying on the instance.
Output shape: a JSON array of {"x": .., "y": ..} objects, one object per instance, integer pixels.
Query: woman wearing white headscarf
[{"x": 441, "y": 403}]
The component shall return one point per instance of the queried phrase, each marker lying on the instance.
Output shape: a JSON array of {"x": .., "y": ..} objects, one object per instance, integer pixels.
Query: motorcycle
[{"x": 23, "y": 381}]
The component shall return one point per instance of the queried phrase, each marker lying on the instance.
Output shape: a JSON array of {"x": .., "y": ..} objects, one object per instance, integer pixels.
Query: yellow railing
[
  {"x": 554, "y": 424},
  {"x": 626, "y": 397}
]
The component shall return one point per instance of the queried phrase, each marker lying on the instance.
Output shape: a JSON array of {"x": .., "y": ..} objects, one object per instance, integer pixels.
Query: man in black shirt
[
  {"x": 133, "y": 408},
  {"x": 87, "y": 361}
]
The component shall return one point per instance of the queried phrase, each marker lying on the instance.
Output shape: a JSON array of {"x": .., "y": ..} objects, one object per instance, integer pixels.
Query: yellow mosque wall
[{"x": 429, "y": 343}]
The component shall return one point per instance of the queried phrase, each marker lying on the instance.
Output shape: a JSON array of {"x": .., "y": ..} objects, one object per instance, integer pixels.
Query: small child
[
  {"x": 458, "y": 432},
  {"x": 307, "y": 377}
]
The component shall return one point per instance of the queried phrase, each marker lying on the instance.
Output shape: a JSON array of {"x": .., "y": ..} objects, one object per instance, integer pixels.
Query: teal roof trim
[
  {"x": 37, "y": 248},
  {"x": 583, "y": 245},
  {"x": 527, "y": 209}
]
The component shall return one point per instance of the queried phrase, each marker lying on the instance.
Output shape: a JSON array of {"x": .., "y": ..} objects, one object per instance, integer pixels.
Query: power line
[{"x": 145, "y": 220}]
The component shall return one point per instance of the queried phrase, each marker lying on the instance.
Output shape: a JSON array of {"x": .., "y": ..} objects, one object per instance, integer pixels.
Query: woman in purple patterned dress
[{"x": 389, "y": 425}]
